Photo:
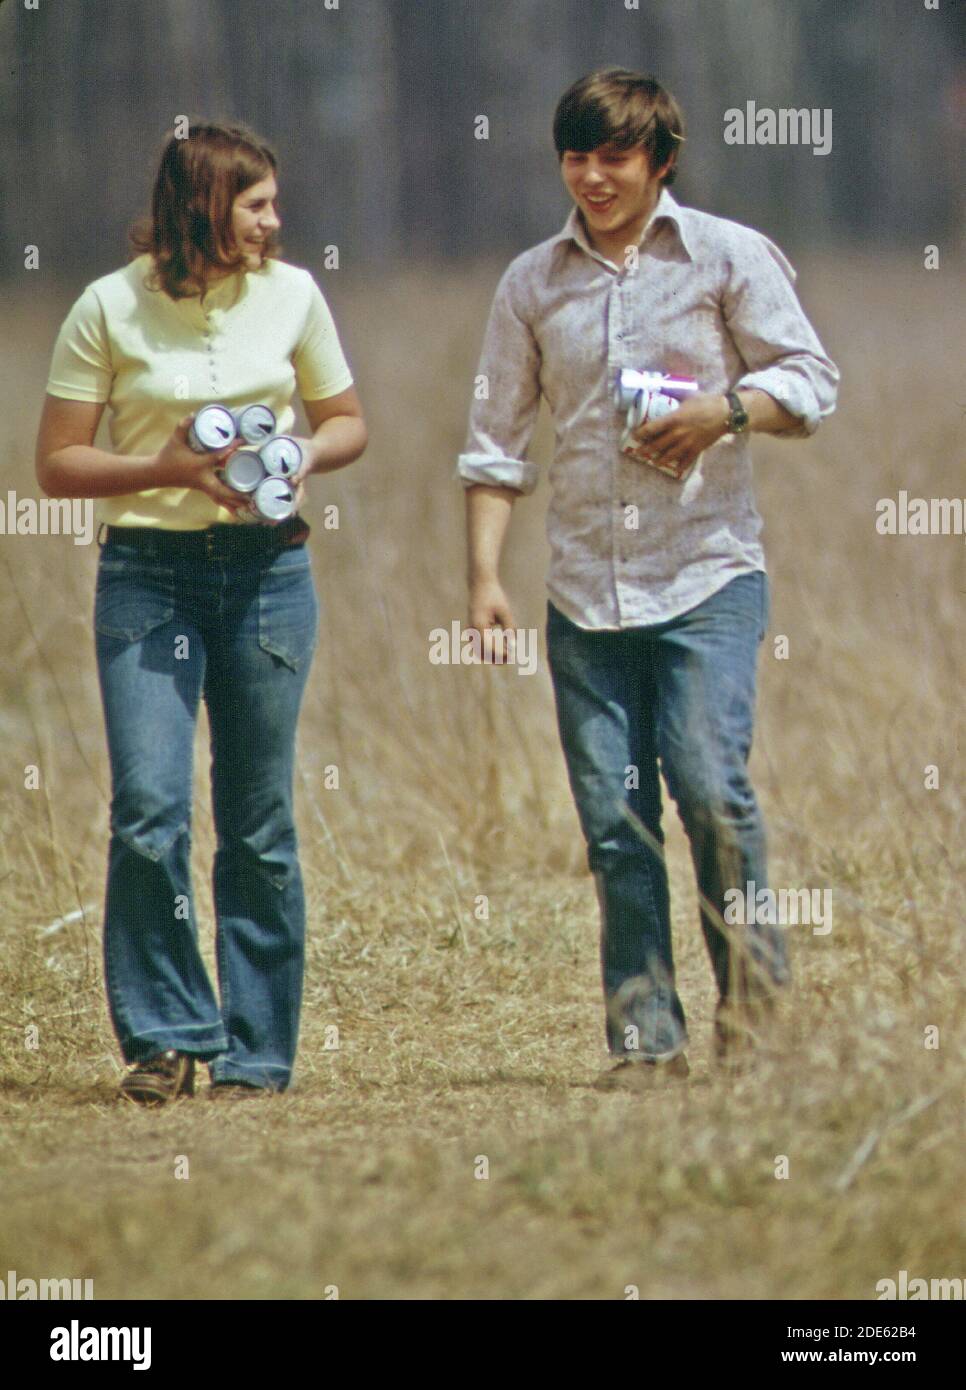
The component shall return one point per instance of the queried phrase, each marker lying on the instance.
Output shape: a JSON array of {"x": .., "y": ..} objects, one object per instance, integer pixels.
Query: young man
[{"x": 658, "y": 594}]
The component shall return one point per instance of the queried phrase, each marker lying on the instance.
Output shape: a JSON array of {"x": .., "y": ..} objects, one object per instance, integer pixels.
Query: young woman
[{"x": 198, "y": 599}]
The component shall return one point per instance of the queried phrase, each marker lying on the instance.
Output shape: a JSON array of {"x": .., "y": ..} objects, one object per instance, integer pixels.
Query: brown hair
[
  {"x": 188, "y": 232},
  {"x": 621, "y": 108}
]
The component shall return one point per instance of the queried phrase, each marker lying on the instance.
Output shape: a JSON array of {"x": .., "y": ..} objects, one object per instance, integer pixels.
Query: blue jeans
[
  {"x": 678, "y": 696},
  {"x": 230, "y": 615}
]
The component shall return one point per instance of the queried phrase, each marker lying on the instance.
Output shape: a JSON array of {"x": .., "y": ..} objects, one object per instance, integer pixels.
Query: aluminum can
[
  {"x": 629, "y": 382},
  {"x": 244, "y": 470},
  {"x": 213, "y": 427},
  {"x": 648, "y": 406},
  {"x": 255, "y": 423},
  {"x": 274, "y": 499},
  {"x": 678, "y": 386},
  {"x": 281, "y": 456}
]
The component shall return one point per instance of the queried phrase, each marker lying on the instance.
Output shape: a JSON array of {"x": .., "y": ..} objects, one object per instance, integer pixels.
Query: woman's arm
[
  {"x": 339, "y": 433},
  {"x": 68, "y": 465}
]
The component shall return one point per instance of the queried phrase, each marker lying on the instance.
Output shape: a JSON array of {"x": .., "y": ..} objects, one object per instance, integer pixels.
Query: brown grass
[{"x": 463, "y": 1038}]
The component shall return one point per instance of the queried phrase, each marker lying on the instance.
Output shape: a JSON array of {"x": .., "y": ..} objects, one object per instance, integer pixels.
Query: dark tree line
[{"x": 373, "y": 105}]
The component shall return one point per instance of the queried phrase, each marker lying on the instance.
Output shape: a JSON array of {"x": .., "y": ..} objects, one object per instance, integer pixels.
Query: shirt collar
[{"x": 667, "y": 210}]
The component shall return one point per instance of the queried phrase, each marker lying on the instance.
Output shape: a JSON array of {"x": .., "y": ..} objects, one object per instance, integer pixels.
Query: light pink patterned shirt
[{"x": 709, "y": 299}]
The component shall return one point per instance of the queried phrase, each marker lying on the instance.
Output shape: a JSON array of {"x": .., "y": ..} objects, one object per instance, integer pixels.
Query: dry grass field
[{"x": 460, "y": 1038}]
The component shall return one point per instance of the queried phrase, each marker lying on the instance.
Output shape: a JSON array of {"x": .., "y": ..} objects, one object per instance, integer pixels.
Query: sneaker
[
  {"x": 646, "y": 1075},
  {"x": 161, "y": 1078}
]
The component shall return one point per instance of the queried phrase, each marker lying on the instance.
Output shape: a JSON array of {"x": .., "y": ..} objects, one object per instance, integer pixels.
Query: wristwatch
[{"x": 738, "y": 419}]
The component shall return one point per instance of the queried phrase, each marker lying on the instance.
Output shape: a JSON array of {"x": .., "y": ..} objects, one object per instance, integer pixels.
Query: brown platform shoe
[{"x": 163, "y": 1077}]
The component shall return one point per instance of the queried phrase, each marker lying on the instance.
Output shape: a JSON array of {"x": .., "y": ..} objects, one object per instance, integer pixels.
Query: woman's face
[{"x": 254, "y": 219}]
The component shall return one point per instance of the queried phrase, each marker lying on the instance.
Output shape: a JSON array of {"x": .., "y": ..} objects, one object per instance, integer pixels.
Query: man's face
[
  {"x": 254, "y": 219},
  {"x": 615, "y": 190}
]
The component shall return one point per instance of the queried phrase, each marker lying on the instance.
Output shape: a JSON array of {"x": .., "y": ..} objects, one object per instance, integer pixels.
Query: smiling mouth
[{"x": 600, "y": 204}]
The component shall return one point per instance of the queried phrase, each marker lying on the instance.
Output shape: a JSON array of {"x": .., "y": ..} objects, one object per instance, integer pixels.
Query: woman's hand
[
  {"x": 297, "y": 480},
  {"x": 244, "y": 503},
  {"x": 177, "y": 465},
  {"x": 308, "y": 447}
]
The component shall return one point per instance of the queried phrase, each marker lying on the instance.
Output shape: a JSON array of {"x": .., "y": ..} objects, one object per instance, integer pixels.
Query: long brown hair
[{"x": 188, "y": 231}]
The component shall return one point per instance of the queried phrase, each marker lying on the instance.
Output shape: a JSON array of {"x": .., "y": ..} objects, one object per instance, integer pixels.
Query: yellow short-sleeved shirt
[{"x": 258, "y": 336}]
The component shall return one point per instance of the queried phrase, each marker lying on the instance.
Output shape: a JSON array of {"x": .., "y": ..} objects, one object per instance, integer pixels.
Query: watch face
[{"x": 739, "y": 415}]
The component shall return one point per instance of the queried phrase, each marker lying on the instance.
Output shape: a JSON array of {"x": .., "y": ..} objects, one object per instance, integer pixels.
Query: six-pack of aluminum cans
[{"x": 264, "y": 465}]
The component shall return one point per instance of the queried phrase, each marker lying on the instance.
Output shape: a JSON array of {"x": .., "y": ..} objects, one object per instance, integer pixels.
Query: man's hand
[
  {"x": 490, "y": 610},
  {"x": 677, "y": 439}
]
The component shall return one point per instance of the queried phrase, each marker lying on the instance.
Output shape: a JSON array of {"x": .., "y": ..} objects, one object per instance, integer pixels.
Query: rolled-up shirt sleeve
[
  {"x": 778, "y": 344},
  {"x": 506, "y": 398}
]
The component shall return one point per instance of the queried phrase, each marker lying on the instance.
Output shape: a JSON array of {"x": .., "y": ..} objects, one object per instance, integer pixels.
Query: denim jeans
[
  {"x": 677, "y": 696},
  {"x": 228, "y": 615}
]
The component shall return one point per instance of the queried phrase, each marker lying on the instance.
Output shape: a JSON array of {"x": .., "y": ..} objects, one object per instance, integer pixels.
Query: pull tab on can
[
  {"x": 255, "y": 423},
  {"x": 274, "y": 499},
  {"x": 212, "y": 428},
  {"x": 281, "y": 456}
]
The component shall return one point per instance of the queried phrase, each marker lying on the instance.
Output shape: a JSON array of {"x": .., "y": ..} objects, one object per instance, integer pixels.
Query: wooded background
[{"x": 371, "y": 107}]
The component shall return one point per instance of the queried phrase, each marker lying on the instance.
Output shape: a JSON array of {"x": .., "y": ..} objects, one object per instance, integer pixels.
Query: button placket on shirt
[
  {"x": 617, "y": 338},
  {"x": 210, "y": 335},
  {"x": 616, "y": 320}
]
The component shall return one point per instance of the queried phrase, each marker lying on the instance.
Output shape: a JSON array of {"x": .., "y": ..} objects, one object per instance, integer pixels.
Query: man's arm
[
  {"x": 789, "y": 385},
  {"x": 487, "y": 518},
  {"x": 493, "y": 468},
  {"x": 679, "y": 438}
]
